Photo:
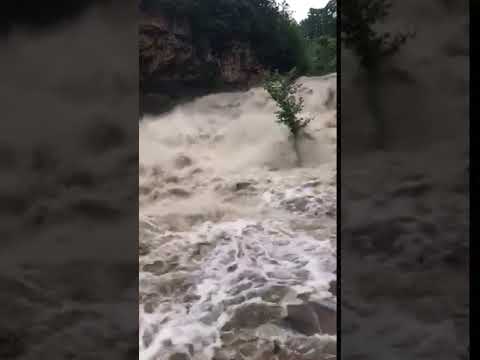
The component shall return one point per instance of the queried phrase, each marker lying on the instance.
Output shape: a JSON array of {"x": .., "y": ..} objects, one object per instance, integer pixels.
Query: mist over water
[{"x": 237, "y": 243}]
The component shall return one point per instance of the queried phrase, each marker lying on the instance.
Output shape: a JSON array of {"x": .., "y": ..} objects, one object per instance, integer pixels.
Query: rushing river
[{"x": 237, "y": 243}]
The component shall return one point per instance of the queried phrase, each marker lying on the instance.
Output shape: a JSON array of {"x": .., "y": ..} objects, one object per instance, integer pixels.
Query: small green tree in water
[{"x": 283, "y": 90}]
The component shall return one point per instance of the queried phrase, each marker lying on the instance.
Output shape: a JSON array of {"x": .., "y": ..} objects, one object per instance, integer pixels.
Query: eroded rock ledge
[{"x": 175, "y": 64}]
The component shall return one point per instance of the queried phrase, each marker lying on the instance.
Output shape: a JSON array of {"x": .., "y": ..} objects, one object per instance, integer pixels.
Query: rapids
[{"x": 237, "y": 244}]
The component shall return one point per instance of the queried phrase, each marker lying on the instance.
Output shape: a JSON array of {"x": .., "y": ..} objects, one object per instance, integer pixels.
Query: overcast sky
[{"x": 300, "y": 7}]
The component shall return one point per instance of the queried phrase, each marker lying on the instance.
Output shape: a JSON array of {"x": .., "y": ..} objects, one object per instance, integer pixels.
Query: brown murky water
[{"x": 238, "y": 245}]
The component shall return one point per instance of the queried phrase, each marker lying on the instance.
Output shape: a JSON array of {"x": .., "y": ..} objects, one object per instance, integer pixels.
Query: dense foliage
[
  {"x": 323, "y": 55},
  {"x": 265, "y": 24},
  {"x": 321, "y": 22},
  {"x": 320, "y": 32}
]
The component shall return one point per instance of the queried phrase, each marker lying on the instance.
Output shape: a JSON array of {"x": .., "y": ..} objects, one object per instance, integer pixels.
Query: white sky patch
[{"x": 300, "y": 7}]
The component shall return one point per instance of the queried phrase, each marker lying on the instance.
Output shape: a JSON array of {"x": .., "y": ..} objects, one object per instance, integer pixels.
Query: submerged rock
[
  {"x": 302, "y": 318},
  {"x": 327, "y": 318},
  {"x": 333, "y": 288},
  {"x": 312, "y": 318},
  {"x": 183, "y": 161},
  {"x": 157, "y": 267},
  {"x": 179, "y": 356},
  {"x": 252, "y": 315},
  {"x": 179, "y": 192},
  {"x": 242, "y": 185},
  {"x": 143, "y": 249}
]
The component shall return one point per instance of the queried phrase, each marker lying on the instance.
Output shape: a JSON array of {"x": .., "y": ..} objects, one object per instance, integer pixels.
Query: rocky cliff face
[{"x": 172, "y": 62}]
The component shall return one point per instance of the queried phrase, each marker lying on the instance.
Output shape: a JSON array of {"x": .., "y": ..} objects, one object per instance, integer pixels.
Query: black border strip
[
  {"x": 339, "y": 192},
  {"x": 472, "y": 48}
]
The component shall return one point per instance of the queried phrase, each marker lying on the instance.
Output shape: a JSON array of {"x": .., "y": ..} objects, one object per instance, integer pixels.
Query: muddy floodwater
[{"x": 238, "y": 243}]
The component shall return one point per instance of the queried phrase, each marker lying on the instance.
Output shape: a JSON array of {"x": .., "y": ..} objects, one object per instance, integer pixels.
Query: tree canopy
[
  {"x": 321, "y": 22},
  {"x": 320, "y": 33},
  {"x": 265, "y": 24}
]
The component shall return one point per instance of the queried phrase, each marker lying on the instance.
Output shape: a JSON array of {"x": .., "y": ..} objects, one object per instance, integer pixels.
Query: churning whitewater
[{"x": 237, "y": 244}]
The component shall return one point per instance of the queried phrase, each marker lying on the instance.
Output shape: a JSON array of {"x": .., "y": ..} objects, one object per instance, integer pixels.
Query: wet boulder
[
  {"x": 183, "y": 161},
  {"x": 252, "y": 315},
  {"x": 179, "y": 356},
  {"x": 312, "y": 318}
]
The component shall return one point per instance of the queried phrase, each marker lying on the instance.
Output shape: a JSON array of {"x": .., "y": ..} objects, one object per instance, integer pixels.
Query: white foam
[{"x": 224, "y": 223}]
